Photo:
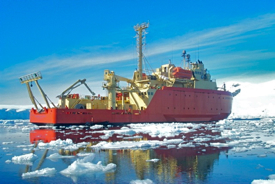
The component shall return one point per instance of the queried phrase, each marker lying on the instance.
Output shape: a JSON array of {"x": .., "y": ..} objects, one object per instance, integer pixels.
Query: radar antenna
[
  {"x": 184, "y": 61},
  {"x": 187, "y": 56}
]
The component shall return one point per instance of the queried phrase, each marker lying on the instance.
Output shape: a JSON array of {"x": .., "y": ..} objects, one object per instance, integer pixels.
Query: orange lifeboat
[{"x": 181, "y": 73}]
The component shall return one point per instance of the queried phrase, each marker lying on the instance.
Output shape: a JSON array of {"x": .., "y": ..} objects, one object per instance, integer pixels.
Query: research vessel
[{"x": 168, "y": 94}]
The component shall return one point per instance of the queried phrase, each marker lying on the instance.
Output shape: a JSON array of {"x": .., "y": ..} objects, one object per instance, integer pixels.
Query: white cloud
[
  {"x": 67, "y": 66},
  {"x": 213, "y": 37},
  {"x": 240, "y": 59},
  {"x": 254, "y": 79}
]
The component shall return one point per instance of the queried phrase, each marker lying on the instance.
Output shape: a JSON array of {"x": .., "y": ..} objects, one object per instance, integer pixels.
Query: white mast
[{"x": 140, "y": 29}]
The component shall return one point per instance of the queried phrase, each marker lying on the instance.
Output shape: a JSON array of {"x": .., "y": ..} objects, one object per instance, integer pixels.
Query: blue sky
[{"x": 71, "y": 40}]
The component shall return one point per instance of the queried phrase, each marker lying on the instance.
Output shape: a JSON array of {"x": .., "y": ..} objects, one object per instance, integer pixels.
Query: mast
[{"x": 140, "y": 30}]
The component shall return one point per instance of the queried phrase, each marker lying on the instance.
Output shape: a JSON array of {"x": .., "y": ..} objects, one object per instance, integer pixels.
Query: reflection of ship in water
[
  {"x": 184, "y": 166},
  {"x": 76, "y": 135},
  {"x": 175, "y": 165}
]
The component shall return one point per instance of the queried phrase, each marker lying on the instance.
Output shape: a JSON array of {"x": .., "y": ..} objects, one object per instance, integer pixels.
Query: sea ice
[
  {"x": 240, "y": 149},
  {"x": 171, "y": 146},
  {"x": 65, "y": 144},
  {"x": 47, "y": 172},
  {"x": 146, "y": 181},
  {"x": 83, "y": 154},
  {"x": 173, "y": 141},
  {"x": 133, "y": 137},
  {"x": 189, "y": 144},
  {"x": 131, "y": 144},
  {"x": 263, "y": 182},
  {"x": 202, "y": 139},
  {"x": 96, "y": 127},
  {"x": 26, "y": 129},
  {"x": 153, "y": 160},
  {"x": 88, "y": 136},
  {"x": 56, "y": 156},
  {"x": 26, "y": 159},
  {"x": 85, "y": 167}
]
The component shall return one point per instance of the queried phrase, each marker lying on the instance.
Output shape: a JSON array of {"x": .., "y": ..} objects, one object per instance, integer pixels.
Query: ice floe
[
  {"x": 189, "y": 144},
  {"x": 86, "y": 167},
  {"x": 153, "y": 160},
  {"x": 15, "y": 122},
  {"x": 56, "y": 156},
  {"x": 146, "y": 181},
  {"x": 83, "y": 154},
  {"x": 26, "y": 159},
  {"x": 263, "y": 182},
  {"x": 65, "y": 144},
  {"x": 136, "y": 144},
  {"x": 46, "y": 172}
]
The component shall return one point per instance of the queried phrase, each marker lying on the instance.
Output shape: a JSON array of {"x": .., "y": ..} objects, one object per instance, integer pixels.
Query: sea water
[{"x": 228, "y": 151}]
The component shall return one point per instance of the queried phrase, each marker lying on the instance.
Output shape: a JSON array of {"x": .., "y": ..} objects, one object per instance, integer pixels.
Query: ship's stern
[{"x": 45, "y": 116}]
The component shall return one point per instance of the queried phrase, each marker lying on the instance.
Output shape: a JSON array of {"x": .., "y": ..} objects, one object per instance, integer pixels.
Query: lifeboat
[{"x": 181, "y": 73}]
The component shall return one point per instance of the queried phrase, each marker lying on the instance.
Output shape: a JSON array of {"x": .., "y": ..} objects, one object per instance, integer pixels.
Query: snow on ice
[
  {"x": 83, "y": 154},
  {"x": 65, "y": 144},
  {"x": 46, "y": 172},
  {"x": 86, "y": 167},
  {"x": 10, "y": 112},
  {"x": 269, "y": 181},
  {"x": 26, "y": 159}
]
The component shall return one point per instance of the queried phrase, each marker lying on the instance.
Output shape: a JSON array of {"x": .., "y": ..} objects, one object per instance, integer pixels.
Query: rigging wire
[
  {"x": 145, "y": 59},
  {"x": 50, "y": 101},
  {"x": 38, "y": 102}
]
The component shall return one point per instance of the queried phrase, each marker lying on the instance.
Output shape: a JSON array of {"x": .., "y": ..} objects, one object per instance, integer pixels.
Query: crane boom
[{"x": 73, "y": 86}]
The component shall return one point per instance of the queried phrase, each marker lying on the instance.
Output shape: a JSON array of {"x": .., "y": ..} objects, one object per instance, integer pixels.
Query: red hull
[{"x": 169, "y": 104}]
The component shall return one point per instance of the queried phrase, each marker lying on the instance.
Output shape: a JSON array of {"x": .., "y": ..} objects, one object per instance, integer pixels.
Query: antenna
[
  {"x": 188, "y": 59},
  {"x": 198, "y": 51},
  {"x": 140, "y": 30},
  {"x": 183, "y": 55}
]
